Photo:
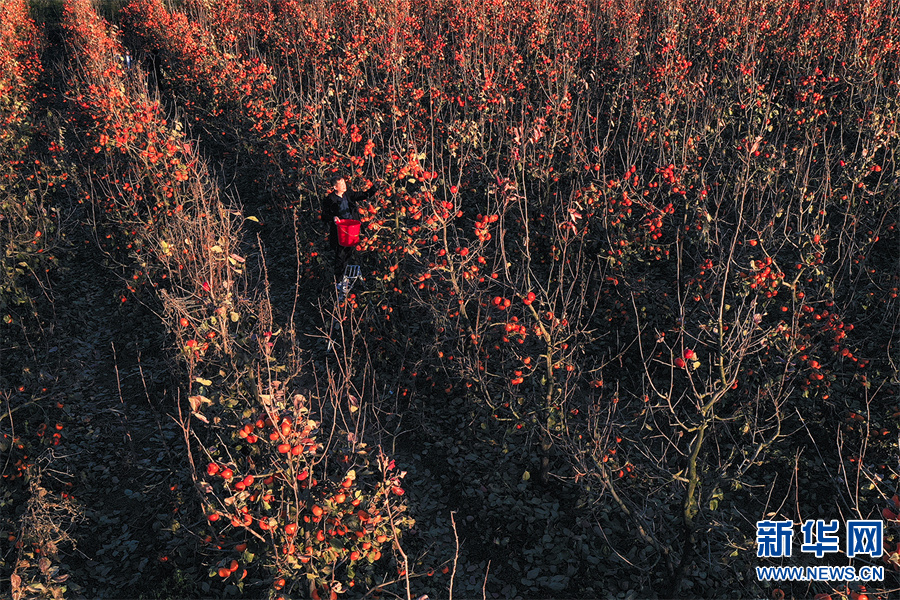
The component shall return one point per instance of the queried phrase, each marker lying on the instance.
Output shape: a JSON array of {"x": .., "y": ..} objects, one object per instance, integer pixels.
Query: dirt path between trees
[{"x": 121, "y": 458}]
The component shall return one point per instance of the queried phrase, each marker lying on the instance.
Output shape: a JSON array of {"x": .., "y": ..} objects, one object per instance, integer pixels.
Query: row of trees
[{"x": 32, "y": 520}]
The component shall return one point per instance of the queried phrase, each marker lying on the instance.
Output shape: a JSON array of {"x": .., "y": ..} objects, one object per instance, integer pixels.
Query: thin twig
[
  {"x": 455, "y": 554},
  {"x": 399, "y": 548},
  {"x": 124, "y": 417}
]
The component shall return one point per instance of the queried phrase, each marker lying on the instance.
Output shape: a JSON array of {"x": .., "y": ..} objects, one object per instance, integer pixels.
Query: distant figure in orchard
[{"x": 340, "y": 204}]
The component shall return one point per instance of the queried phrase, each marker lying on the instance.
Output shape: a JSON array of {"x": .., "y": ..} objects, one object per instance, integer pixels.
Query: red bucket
[{"x": 348, "y": 232}]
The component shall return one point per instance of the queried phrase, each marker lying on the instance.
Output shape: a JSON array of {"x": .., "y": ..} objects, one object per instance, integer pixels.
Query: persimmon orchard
[{"x": 630, "y": 279}]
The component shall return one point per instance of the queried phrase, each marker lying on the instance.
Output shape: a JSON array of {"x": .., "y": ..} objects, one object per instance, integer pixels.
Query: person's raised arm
[{"x": 364, "y": 195}]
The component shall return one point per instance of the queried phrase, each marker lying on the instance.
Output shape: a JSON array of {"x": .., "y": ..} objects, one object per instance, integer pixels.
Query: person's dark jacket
[{"x": 342, "y": 208}]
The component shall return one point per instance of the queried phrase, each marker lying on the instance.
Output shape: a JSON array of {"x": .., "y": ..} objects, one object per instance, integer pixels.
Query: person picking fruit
[{"x": 340, "y": 204}]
